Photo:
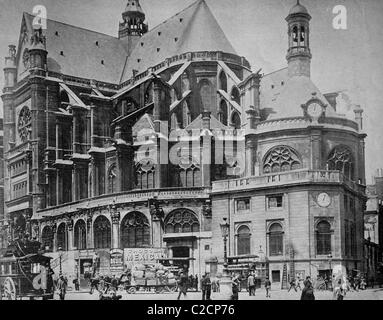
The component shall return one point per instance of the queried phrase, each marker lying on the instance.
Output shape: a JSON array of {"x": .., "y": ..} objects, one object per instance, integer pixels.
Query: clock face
[
  {"x": 324, "y": 200},
  {"x": 314, "y": 109}
]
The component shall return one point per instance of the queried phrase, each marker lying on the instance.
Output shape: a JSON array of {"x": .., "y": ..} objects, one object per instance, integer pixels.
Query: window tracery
[
  {"x": 182, "y": 221},
  {"x": 281, "y": 159}
]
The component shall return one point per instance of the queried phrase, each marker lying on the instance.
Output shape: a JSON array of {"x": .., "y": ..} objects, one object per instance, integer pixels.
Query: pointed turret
[
  {"x": 132, "y": 27},
  {"x": 299, "y": 55}
]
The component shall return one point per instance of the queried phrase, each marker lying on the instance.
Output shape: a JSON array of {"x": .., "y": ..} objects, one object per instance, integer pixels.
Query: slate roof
[
  {"x": 193, "y": 29},
  {"x": 282, "y": 97},
  {"x": 82, "y": 57}
]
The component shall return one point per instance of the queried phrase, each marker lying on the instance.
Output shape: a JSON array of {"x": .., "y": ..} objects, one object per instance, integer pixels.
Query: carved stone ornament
[{"x": 207, "y": 210}]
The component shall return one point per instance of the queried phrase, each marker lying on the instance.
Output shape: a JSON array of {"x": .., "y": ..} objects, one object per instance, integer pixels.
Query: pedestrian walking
[
  {"x": 114, "y": 283},
  {"x": 292, "y": 285},
  {"x": 308, "y": 292},
  {"x": 268, "y": 287},
  {"x": 61, "y": 287},
  {"x": 251, "y": 284},
  {"x": 206, "y": 287},
  {"x": 183, "y": 285},
  {"x": 235, "y": 287},
  {"x": 308, "y": 280},
  {"x": 76, "y": 284},
  {"x": 339, "y": 291},
  {"x": 94, "y": 282}
]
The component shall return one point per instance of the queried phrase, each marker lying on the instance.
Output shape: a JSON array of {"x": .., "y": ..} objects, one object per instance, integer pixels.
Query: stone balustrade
[{"x": 286, "y": 178}]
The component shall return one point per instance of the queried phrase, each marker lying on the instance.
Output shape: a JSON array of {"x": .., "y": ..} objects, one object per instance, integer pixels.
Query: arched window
[
  {"x": 47, "y": 238},
  {"x": 295, "y": 36},
  {"x": 62, "y": 237},
  {"x": 186, "y": 115},
  {"x": 174, "y": 121},
  {"x": 236, "y": 120},
  {"x": 112, "y": 179},
  {"x": 341, "y": 159},
  {"x": 182, "y": 221},
  {"x": 80, "y": 235},
  {"x": 189, "y": 173},
  {"x": 223, "y": 81},
  {"x": 235, "y": 96},
  {"x": 323, "y": 244},
  {"x": 102, "y": 233},
  {"x": 223, "y": 112},
  {"x": 135, "y": 231},
  {"x": 275, "y": 240},
  {"x": 145, "y": 172},
  {"x": 243, "y": 240},
  {"x": 302, "y": 36},
  {"x": 206, "y": 92},
  {"x": 280, "y": 159}
]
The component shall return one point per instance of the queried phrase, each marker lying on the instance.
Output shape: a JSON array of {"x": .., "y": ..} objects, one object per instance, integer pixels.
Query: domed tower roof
[
  {"x": 298, "y": 8},
  {"x": 133, "y": 6}
]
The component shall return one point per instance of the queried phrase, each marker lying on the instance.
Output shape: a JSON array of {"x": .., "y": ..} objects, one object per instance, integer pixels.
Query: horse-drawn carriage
[
  {"x": 150, "y": 278},
  {"x": 25, "y": 273}
]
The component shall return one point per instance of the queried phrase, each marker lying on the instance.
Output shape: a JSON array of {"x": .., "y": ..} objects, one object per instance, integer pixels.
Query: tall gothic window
[
  {"x": 182, "y": 221},
  {"x": 280, "y": 159},
  {"x": 207, "y": 95},
  {"x": 323, "y": 241},
  {"x": 223, "y": 81},
  {"x": 275, "y": 240},
  {"x": 243, "y": 240},
  {"x": 102, "y": 233},
  {"x": 223, "y": 112},
  {"x": 235, "y": 96},
  {"x": 47, "y": 238},
  {"x": 62, "y": 237},
  {"x": 341, "y": 159},
  {"x": 112, "y": 179},
  {"x": 80, "y": 235},
  {"x": 24, "y": 124},
  {"x": 135, "y": 231},
  {"x": 189, "y": 173},
  {"x": 145, "y": 172},
  {"x": 236, "y": 120}
]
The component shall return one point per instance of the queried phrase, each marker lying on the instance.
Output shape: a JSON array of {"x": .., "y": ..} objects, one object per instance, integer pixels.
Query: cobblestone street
[{"x": 370, "y": 294}]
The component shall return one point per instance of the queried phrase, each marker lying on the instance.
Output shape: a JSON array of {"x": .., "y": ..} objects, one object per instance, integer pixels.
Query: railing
[
  {"x": 127, "y": 197},
  {"x": 291, "y": 177}
]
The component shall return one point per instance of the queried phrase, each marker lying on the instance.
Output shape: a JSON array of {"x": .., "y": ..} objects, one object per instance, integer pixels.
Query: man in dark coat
[
  {"x": 308, "y": 292},
  {"x": 183, "y": 285},
  {"x": 206, "y": 287}
]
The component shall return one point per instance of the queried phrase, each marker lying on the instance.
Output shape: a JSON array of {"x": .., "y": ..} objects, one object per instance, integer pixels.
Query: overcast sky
[{"x": 349, "y": 60}]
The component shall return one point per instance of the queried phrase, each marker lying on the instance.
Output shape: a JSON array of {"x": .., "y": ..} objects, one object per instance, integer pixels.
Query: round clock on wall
[
  {"x": 324, "y": 200},
  {"x": 314, "y": 110}
]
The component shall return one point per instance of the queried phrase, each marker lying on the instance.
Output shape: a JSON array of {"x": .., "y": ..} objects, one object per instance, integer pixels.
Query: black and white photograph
[{"x": 191, "y": 150}]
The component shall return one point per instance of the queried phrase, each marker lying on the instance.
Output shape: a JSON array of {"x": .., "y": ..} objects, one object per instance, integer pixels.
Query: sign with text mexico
[
  {"x": 116, "y": 260},
  {"x": 143, "y": 256}
]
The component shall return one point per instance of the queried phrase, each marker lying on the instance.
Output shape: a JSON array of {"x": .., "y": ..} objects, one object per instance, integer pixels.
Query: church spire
[
  {"x": 299, "y": 54},
  {"x": 132, "y": 27}
]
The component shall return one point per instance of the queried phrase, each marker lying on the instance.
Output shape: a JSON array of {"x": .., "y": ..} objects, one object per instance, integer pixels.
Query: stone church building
[{"x": 142, "y": 143}]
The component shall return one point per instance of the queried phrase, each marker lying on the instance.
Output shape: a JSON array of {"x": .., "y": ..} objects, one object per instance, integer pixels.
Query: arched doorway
[{"x": 181, "y": 229}]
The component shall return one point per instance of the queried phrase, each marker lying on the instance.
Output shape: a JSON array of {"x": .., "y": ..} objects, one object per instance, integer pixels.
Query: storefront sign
[
  {"x": 141, "y": 256},
  {"x": 116, "y": 260}
]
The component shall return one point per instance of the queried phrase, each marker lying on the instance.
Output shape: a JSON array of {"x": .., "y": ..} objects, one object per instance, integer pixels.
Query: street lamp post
[{"x": 225, "y": 286}]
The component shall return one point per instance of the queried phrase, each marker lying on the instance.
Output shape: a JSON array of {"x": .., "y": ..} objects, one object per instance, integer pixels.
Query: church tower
[
  {"x": 132, "y": 27},
  {"x": 299, "y": 55}
]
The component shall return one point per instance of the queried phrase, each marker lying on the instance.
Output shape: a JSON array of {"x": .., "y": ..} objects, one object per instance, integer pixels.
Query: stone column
[
  {"x": 115, "y": 215},
  {"x": 69, "y": 225},
  {"x": 206, "y": 150},
  {"x": 316, "y": 149},
  {"x": 54, "y": 231},
  {"x": 89, "y": 230},
  {"x": 251, "y": 157}
]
